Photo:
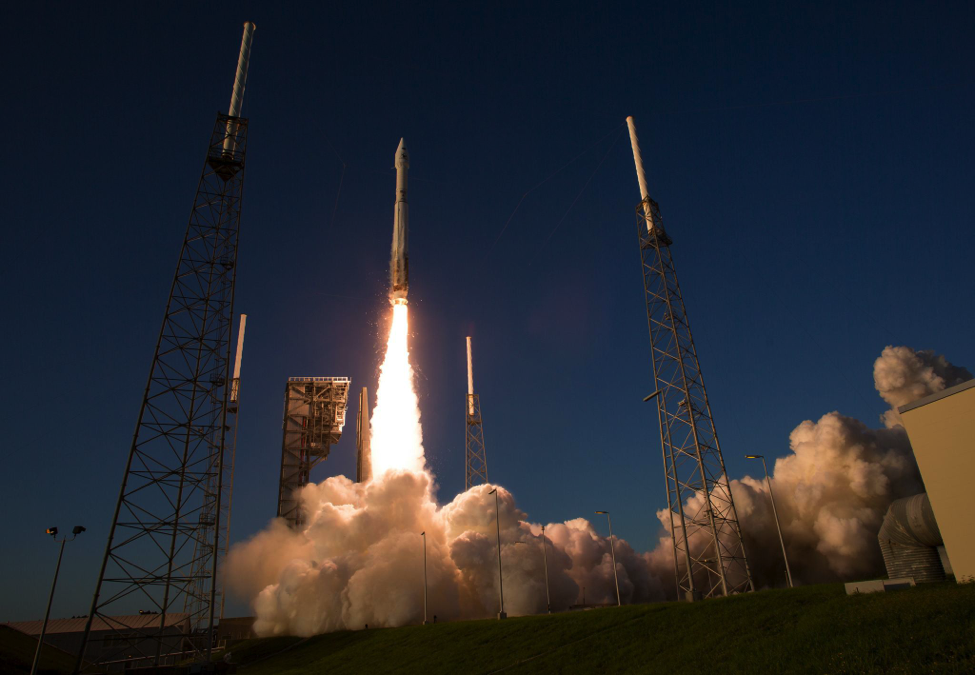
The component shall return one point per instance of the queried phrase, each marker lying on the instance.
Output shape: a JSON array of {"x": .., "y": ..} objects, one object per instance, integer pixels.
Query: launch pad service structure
[
  {"x": 162, "y": 554},
  {"x": 709, "y": 555},
  {"x": 314, "y": 416}
]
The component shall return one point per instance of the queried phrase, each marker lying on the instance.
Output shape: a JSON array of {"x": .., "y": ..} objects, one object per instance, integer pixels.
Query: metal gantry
[
  {"x": 475, "y": 456},
  {"x": 314, "y": 416},
  {"x": 160, "y": 556},
  {"x": 709, "y": 555}
]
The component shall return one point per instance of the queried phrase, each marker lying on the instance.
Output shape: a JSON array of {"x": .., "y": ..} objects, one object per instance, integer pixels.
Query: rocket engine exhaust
[{"x": 399, "y": 263}]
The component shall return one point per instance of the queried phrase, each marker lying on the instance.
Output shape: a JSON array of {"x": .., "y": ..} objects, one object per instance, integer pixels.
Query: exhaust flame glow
[{"x": 397, "y": 439}]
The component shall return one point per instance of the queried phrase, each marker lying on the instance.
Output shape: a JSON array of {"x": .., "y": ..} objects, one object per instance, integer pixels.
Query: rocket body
[{"x": 399, "y": 263}]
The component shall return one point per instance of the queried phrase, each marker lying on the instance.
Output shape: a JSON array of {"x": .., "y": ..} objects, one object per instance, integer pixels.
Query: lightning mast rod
[
  {"x": 235, "y": 383},
  {"x": 240, "y": 83},
  {"x": 470, "y": 379},
  {"x": 641, "y": 175}
]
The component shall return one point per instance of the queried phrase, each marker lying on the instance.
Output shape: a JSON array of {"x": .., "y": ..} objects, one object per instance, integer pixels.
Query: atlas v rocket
[{"x": 399, "y": 263}]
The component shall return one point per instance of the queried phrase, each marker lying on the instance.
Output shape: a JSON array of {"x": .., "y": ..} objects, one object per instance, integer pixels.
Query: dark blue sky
[{"x": 813, "y": 164}]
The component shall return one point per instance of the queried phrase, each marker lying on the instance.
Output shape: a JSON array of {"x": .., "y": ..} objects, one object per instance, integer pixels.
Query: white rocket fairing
[{"x": 399, "y": 264}]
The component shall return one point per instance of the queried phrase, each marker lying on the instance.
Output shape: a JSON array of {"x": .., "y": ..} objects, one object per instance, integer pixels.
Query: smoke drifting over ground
[{"x": 358, "y": 560}]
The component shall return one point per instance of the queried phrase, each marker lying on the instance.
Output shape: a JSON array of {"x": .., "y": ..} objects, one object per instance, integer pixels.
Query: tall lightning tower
[
  {"x": 161, "y": 554},
  {"x": 709, "y": 556},
  {"x": 475, "y": 462}
]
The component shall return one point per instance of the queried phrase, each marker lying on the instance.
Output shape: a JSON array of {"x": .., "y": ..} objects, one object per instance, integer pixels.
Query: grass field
[{"x": 817, "y": 629}]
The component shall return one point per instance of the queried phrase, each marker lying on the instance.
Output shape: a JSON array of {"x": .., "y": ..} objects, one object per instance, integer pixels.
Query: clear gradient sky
[{"x": 813, "y": 165}]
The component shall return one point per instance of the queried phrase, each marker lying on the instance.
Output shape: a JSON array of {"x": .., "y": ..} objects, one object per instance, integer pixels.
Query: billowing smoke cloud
[
  {"x": 833, "y": 489},
  {"x": 903, "y": 375},
  {"x": 358, "y": 559}
]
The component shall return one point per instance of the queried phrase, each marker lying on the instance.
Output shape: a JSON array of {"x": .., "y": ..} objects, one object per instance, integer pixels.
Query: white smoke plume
[
  {"x": 834, "y": 487},
  {"x": 358, "y": 558},
  {"x": 903, "y": 375}
]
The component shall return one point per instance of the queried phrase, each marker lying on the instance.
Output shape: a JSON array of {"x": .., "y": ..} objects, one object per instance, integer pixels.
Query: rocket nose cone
[{"x": 402, "y": 157}]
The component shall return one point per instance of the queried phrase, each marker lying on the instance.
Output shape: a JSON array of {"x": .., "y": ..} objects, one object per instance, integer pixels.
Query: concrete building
[{"x": 942, "y": 432}]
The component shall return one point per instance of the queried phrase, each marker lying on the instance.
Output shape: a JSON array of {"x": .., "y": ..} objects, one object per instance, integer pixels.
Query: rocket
[{"x": 399, "y": 263}]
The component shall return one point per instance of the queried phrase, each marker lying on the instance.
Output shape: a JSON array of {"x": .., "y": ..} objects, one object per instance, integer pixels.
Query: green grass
[
  {"x": 817, "y": 629},
  {"x": 17, "y": 655}
]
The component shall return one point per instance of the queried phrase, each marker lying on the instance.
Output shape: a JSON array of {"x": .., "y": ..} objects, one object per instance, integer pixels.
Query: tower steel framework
[
  {"x": 475, "y": 456},
  {"x": 222, "y": 481},
  {"x": 161, "y": 547},
  {"x": 314, "y": 416},
  {"x": 163, "y": 544},
  {"x": 709, "y": 555}
]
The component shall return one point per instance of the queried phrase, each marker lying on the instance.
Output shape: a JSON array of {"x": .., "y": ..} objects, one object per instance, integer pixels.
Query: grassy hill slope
[{"x": 817, "y": 629}]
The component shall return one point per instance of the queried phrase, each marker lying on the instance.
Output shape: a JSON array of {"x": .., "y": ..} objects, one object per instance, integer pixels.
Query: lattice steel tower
[
  {"x": 224, "y": 482},
  {"x": 162, "y": 544},
  {"x": 709, "y": 555},
  {"x": 475, "y": 456}
]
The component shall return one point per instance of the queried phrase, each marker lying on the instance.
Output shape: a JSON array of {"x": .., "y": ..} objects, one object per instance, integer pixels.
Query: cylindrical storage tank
[{"x": 909, "y": 539}]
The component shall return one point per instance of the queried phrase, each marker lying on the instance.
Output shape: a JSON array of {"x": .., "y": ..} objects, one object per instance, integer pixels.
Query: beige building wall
[{"x": 942, "y": 432}]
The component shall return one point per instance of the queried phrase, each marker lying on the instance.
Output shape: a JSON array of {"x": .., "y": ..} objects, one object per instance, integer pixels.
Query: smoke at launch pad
[{"x": 357, "y": 560}]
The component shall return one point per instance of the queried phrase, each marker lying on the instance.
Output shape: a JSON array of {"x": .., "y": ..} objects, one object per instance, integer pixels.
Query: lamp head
[
  {"x": 602, "y": 512},
  {"x": 753, "y": 457},
  {"x": 53, "y": 531},
  {"x": 78, "y": 529}
]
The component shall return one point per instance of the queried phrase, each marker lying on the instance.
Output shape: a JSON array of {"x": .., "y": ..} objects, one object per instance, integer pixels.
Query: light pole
[
  {"x": 53, "y": 531},
  {"x": 548, "y": 597},
  {"x": 788, "y": 573},
  {"x": 613, "y": 549},
  {"x": 497, "y": 519},
  {"x": 424, "y": 535}
]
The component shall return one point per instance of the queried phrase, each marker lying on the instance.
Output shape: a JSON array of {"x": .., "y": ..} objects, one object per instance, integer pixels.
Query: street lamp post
[
  {"x": 788, "y": 573},
  {"x": 613, "y": 549},
  {"x": 424, "y": 535},
  {"x": 53, "y": 531},
  {"x": 548, "y": 597},
  {"x": 497, "y": 511}
]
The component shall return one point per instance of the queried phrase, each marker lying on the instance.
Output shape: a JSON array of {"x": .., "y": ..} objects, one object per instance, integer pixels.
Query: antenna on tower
[
  {"x": 475, "y": 456},
  {"x": 709, "y": 555}
]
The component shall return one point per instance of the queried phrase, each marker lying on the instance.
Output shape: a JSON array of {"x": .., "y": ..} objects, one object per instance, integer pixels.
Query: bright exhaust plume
[{"x": 396, "y": 435}]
